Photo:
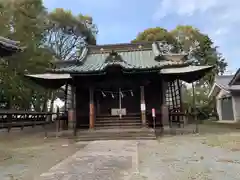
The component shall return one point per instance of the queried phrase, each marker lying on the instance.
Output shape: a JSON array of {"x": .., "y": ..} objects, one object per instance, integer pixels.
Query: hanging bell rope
[
  {"x": 116, "y": 93},
  {"x": 131, "y": 93},
  {"x": 121, "y": 94},
  {"x": 103, "y": 94},
  {"x": 113, "y": 96}
]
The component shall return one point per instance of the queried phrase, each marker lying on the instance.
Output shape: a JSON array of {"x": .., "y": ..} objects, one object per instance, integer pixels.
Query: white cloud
[
  {"x": 218, "y": 18},
  {"x": 221, "y": 31},
  {"x": 218, "y": 10},
  {"x": 183, "y": 7}
]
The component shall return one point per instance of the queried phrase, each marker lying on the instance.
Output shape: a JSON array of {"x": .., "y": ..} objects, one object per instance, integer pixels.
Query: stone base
[
  {"x": 165, "y": 115},
  {"x": 71, "y": 122}
]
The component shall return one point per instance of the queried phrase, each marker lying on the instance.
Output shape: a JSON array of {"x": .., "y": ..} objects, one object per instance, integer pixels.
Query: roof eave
[
  {"x": 235, "y": 77},
  {"x": 215, "y": 85}
]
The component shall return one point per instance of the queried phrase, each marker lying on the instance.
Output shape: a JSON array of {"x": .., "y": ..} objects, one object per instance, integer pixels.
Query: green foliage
[
  {"x": 205, "y": 106},
  {"x": 45, "y": 36},
  {"x": 155, "y": 34},
  {"x": 185, "y": 37},
  {"x": 206, "y": 53},
  {"x": 22, "y": 22}
]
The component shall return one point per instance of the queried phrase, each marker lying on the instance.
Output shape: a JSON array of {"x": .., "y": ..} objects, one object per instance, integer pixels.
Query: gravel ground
[
  {"x": 182, "y": 158},
  {"x": 214, "y": 154},
  {"x": 24, "y": 155}
]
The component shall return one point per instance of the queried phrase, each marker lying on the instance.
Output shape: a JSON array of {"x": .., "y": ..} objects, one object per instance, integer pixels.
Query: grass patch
[
  {"x": 221, "y": 124},
  {"x": 229, "y": 141}
]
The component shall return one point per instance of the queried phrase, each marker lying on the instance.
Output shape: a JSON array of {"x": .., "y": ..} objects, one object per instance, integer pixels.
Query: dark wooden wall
[
  {"x": 131, "y": 103},
  {"x": 153, "y": 96},
  {"x": 82, "y": 107},
  {"x": 153, "y": 99}
]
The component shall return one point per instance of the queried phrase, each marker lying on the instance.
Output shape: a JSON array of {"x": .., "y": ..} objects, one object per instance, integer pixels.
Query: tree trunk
[
  {"x": 53, "y": 96},
  {"x": 45, "y": 101}
]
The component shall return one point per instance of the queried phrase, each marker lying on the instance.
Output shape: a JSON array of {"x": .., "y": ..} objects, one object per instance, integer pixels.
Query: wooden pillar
[
  {"x": 194, "y": 108},
  {"x": 66, "y": 96},
  {"x": 72, "y": 110},
  {"x": 143, "y": 106},
  {"x": 164, "y": 107},
  {"x": 91, "y": 108}
]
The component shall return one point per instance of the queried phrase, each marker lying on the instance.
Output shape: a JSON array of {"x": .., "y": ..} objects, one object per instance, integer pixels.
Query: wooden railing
[
  {"x": 177, "y": 118},
  {"x": 11, "y": 119}
]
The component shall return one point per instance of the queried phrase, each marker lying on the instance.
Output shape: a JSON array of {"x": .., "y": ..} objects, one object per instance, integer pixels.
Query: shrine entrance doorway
[{"x": 117, "y": 102}]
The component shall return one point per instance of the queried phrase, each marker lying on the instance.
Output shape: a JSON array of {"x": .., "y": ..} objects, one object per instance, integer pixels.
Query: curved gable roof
[{"x": 134, "y": 56}]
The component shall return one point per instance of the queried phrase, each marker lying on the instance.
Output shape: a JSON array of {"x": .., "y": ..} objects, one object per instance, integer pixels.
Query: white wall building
[{"x": 226, "y": 90}]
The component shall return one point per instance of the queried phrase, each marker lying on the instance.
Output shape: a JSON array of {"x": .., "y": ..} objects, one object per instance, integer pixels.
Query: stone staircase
[
  {"x": 116, "y": 134},
  {"x": 113, "y": 128},
  {"x": 113, "y": 122}
]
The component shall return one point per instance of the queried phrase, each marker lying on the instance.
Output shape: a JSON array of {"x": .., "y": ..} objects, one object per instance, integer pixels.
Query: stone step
[
  {"x": 113, "y": 138},
  {"x": 117, "y": 127},
  {"x": 117, "y": 118},
  {"x": 114, "y": 131},
  {"x": 114, "y": 122},
  {"x": 129, "y": 115},
  {"x": 119, "y": 131},
  {"x": 118, "y": 121},
  {"x": 117, "y": 135},
  {"x": 106, "y": 124}
]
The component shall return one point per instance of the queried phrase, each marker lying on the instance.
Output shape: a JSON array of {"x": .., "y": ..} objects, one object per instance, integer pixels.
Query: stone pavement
[{"x": 99, "y": 160}]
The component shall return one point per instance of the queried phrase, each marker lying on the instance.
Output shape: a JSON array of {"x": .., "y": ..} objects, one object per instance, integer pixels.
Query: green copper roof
[
  {"x": 128, "y": 56},
  {"x": 8, "y": 47}
]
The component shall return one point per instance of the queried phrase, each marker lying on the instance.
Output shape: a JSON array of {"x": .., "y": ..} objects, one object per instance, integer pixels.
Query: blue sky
[{"x": 120, "y": 21}]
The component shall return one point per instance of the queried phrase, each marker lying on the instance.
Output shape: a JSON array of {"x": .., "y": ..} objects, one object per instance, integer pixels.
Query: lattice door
[
  {"x": 173, "y": 100},
  {"x": 173, "y": 95}
]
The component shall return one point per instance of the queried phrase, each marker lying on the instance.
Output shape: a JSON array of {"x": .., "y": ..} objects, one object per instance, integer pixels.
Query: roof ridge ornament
[
  {"x": 83, "y": 55},
  {"x": 161, "y": 49},
  {"x": 114, "y": 57}
]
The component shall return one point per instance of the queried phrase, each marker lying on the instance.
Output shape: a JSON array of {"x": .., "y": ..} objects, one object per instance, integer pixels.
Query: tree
[
  {"x": 205, "y": 106},
  {"x": 47, "y": 37},
  {"x": 155, "y": 34},
  {"x": 186, "y": 38},
  {"x": 66, "y": 34},
  {"x": 205, "y": 52},
  {"x": 23, "y": 21}
]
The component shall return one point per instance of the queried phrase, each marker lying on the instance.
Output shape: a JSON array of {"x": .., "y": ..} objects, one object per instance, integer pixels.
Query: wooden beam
[
  {"x": 91, "y": 108},
  {"x": 143, "y": 106}
]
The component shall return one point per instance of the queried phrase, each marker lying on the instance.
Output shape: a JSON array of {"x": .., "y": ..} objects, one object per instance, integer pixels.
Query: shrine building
[{"x": 118, "y": 85}]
